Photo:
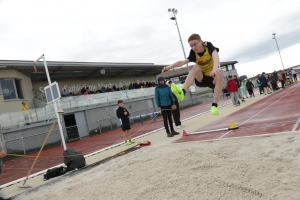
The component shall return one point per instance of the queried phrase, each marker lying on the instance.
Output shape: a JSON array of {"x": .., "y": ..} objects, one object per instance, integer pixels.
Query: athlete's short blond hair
[{"x": 194, "y": 37}]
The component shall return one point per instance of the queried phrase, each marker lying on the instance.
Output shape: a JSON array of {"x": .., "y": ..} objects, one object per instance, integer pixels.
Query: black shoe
[
  {"x": 175, "y": 133},
  {"x": 243, "y": 100},
  {"x": 170, "y": 135}
]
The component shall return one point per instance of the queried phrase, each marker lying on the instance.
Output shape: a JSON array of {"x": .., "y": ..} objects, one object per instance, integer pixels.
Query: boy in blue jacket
[{"x": 165, "y": 103}]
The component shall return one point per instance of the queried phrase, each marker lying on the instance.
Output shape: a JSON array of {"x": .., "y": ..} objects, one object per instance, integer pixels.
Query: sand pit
[{"x": 244, "y": 168}]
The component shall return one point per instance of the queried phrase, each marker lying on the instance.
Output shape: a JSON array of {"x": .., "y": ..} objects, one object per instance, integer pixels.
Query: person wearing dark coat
[
  {"x": 259, "y": 84},
  {"x": 175, "y": 112},
  {"x": 165, "y": 103},
  {"x": 250, "y": 86}
]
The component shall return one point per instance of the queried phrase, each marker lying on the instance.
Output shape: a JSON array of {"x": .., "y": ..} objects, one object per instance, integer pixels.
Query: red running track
[
  {"x": 278, "y": 112},
  {"x": 19, "y": 167}
]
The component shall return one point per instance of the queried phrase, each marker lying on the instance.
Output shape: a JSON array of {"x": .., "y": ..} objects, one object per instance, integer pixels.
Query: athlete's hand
[
  {"x": 174, "y": 107},
  {"x": 216, "y": 72},
  {"x": 159, "y": 109},
  {"x": 167, "y": 68},
  {"x": 125, "y": 113},
  {"x": 3, "y": 153}
]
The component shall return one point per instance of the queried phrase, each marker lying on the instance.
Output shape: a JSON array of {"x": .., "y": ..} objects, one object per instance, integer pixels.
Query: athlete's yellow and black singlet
[{"x": 204, "y": 60}]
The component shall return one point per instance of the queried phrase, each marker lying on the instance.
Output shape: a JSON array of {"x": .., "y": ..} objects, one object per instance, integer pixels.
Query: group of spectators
[
  {"x": 86, "y": 90},
  {"x": 267, "y": 84},
  {"x": 236, "y": 89}
]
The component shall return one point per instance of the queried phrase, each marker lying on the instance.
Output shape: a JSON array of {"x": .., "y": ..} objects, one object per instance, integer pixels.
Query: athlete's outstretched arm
[{"x": 176, "y": 64}]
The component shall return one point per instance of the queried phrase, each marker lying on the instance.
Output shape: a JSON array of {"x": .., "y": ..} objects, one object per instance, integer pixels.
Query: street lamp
[
  {"x": 274, "y": 37},
  {"x": 172, "y": 13}
]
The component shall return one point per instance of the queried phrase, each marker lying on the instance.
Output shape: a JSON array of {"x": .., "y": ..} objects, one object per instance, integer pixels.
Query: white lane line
[
  {"x": 259, "y": 112},
  {"x": 296, "y": 125}
]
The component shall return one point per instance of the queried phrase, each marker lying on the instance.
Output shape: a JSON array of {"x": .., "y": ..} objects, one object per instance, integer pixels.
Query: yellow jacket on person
[{"x": 25, "y": 109}]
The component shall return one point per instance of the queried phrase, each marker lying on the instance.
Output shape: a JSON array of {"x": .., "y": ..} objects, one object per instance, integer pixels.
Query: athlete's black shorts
[
  {"x": 126, "y": 126},
  {"x": 207, "y": 81}
]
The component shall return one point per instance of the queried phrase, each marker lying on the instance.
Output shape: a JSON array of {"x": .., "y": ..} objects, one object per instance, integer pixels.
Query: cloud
[{"x": 287, "y": 35}]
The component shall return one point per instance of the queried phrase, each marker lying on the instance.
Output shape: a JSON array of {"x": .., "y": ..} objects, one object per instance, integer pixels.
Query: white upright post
[{"x": 54, "y": 103}]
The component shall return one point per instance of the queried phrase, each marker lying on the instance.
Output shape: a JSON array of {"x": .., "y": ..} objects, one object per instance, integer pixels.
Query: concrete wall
[
  {"x": 28, "y": 138},
  {"x": 94, "y": 84},
  {"x": 15, "y": 105}
]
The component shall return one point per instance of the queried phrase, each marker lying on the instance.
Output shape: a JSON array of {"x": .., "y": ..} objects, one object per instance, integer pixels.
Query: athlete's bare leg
[
  {"x": 218, "y": 81},
  {"x": 195, "y": 72}
]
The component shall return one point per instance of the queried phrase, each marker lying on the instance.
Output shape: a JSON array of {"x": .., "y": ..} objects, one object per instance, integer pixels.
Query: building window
[
  {"x": 11, "y": 89},
  {"x": 223, "y": 68},
  {"x": 230, "y": 67}
]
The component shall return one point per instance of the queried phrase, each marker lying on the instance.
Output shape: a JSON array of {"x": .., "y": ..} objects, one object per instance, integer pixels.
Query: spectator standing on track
[
  {"x": 233, "y": 90},
  {"x": 280, "y": 79},
  {"x": 273, "y": 81},
  {"x": 123, "y": 114},
  {"x": 165, "y": 103},
  {"x": 239, "y": 85},
  {"x": 283, "y": 82},
  {"x": 289, "y": 77},
  {"x": 175, "y": 112},
  {"x": 294, "y": 74},
  {"x": 259, "y": 84},
  {"x": 265, "y": 84},
  {"x": 243, "y": 89},
  {"x": 250, "y": 87}
]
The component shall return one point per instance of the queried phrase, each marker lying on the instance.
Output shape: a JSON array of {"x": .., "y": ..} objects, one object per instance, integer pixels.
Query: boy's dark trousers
[
  {"x": 282, "y": 83},
  {"x": 261, "y": 89},
  {"x": 166, "y": 112},
  {"x": 250, "y": 91},
  {"x": 176, "y": 114}
]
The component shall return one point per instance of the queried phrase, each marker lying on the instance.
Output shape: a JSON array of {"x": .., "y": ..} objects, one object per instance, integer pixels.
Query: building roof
[{"x": 81, "y": 70}]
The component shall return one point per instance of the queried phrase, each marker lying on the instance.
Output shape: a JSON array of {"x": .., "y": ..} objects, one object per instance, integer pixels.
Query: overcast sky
[{"x": 141, "y": 31}]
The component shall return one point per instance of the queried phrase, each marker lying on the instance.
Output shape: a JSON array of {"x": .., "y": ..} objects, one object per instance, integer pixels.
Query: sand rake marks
[{"x": 239, "y": 187}]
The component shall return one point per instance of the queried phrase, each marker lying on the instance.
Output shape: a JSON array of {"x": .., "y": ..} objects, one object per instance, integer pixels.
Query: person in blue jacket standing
[{"x": 165, "y": 103}]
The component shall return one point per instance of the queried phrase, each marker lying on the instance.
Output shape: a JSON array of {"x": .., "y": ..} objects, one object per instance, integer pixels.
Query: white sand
[{"x": 245, "y": 168}]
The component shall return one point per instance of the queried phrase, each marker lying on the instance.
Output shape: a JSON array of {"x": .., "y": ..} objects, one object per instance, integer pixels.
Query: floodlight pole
[
  {"x": 55, "y": 108},
  {"x": 274, "y": 37},
  {"x": 173, "y": 13}
]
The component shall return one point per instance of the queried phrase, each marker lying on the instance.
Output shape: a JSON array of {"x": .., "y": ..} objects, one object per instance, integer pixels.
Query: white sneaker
[{"x": 178, "y": 126}]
